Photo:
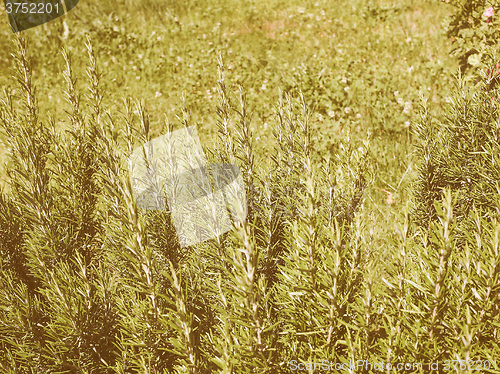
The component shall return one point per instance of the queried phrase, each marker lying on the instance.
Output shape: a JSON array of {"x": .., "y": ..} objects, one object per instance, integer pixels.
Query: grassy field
[{"x": 364, "y": 68}]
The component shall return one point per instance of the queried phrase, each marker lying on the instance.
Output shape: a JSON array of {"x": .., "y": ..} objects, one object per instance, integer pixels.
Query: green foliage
[
  {"x": 460, "y": 154},
  {"x": 457, "y": 244},
  {"x": 440, "y": 296},
  {"x": 474, "y": 28}
]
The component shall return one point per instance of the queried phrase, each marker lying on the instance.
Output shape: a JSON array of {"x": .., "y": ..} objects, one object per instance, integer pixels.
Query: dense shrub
[
  {"x": 457, "y": 241},
  {"x": 474, "y": 28},
  {"x": 460, "y": 154},
  {"x": 90, "y": 282}
]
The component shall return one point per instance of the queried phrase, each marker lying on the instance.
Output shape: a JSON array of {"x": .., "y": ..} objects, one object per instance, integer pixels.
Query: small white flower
[
  {"x": 264, "y": 87},
  {"x": 346, "y": 89},
  {"x": 358, "y": 115},
  {"x": 410, "y": 69},
  {"x": 331, "y": 114},
  {"x": 408, "y": 107},
  {"x": 407, "y": 124},
  {"x": 157, "y": 94},
  {"x": 347, "y": 110},
  {"x": 408, "y": 40},
  {"x": 401, "y": 101},
  {"x": 396, "y": 93},
  {"x": 344, "y": 80}
]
